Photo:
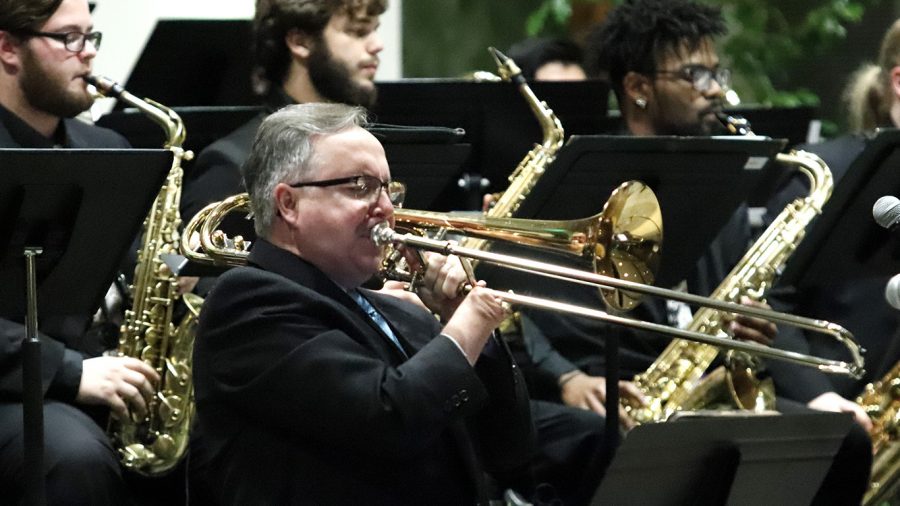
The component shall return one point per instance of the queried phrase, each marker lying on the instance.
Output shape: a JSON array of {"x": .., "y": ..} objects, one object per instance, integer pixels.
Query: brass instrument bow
[{"x": 156, "y": 443}]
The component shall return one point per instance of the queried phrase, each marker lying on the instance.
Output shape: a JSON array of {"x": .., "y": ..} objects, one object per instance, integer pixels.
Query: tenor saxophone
[
  {"x": 881, "y": 400},
  {"x": 675, "y": 381},
  {"x": 154, "y": 445}
]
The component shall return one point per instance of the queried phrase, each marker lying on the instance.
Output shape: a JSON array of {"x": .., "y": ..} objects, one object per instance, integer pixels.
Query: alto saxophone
[
  {"x": 154, "y": 445},
  {"x": 675, "y": 381},
  {"x": 881, "y": 400},
  {"x": 526, "y": 174}
]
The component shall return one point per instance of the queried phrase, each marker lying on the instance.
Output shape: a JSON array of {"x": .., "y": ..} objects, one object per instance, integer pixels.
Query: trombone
[{"x": 623, "y": 239}]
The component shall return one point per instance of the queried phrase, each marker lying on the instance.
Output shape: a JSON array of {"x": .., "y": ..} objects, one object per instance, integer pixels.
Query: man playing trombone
[{"x": 311, "y": 390}]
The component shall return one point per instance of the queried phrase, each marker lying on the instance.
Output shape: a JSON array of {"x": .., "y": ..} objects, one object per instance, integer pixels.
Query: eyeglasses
[
  {"x": 74, "y": 41},
  {"x": 365, "y": 187},
  {"x": 701, "y": 76}
]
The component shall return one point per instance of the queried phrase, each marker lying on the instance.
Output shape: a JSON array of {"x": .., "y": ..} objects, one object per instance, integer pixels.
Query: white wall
[{"x": 128, "y": 24}]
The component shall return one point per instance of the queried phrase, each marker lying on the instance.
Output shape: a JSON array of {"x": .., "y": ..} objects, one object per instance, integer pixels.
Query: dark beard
[
  {"x": 46, "y": 94},
  {"x": 332, "y": 79}
]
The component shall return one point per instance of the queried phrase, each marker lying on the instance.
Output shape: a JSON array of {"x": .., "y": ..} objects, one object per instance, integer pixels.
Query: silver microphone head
[
  {"x": 892, "y": 292},
  {"x": 886, "y": 211}
]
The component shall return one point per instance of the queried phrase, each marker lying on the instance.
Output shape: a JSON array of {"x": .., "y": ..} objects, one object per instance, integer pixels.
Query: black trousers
[
  {"x": 570, "y": 455},
  {"x": 80, "y": 464}
]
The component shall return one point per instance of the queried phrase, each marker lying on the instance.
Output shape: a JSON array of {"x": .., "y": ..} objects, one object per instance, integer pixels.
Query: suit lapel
[{"x": 282, "y": 262}]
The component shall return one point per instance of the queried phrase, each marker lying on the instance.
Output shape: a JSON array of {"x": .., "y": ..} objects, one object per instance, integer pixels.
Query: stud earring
[{"x": 641, "y": 102}]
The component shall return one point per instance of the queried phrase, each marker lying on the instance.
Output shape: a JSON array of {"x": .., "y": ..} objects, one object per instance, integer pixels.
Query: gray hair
[{"x": 282, "y": 151}]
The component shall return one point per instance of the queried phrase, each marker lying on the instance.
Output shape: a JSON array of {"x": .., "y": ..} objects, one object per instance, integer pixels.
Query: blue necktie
[{"x": 377, "y": 318}]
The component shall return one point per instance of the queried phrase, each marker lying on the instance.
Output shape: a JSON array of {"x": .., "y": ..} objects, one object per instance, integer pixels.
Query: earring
[{"x": 641, "y": 102}]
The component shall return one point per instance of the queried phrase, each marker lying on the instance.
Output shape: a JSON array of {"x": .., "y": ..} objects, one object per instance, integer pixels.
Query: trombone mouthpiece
[{"x": 382, "y": 234}]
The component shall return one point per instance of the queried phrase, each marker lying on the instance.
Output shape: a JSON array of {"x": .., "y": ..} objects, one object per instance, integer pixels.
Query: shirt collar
[{"x": 27, "y": 137}]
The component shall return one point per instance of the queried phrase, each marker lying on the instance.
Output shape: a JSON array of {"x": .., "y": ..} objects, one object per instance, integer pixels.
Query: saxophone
[
  {"x": 535, "y": 163},
  {"x": 881, "y": 400},
  {"x": 155, "y": 444},
  {"x": 675, "y": 381},
  {"x": 525, "y": 175}
]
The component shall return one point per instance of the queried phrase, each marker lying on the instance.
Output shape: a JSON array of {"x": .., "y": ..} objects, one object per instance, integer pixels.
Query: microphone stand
[{"x": 32, "y": 390}]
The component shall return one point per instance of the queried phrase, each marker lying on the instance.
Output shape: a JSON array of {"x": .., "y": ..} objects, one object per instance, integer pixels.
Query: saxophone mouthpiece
[
  {"x": 105, "y": 86},
  {"x": 508, "y": 69}
]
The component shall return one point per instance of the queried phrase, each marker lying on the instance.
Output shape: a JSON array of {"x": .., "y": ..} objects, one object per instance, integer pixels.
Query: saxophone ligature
[{"x": 155, "y": 444}]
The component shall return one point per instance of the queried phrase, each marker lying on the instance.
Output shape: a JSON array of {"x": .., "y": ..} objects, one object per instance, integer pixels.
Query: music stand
[
  {"x": 734, "y": 459},
  {"x": 203, "y": 124},
  {"x": 846, "y": 229},
  {"x": 75, "y": 212},
  {"x": 497, "y": 120},
  {"x": 216, "y": 72},
  {"x": 699, "y": 182}
]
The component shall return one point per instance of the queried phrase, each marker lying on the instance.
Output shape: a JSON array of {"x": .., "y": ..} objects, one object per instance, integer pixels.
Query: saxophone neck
[
  {"x": 553, "y": 133},
  {"x": 165, "y": 117},
  {"x": 821, "y": 182}
]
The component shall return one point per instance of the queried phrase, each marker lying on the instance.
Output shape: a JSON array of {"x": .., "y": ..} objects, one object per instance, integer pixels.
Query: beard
[
  {"x": 49, "y": 92},
  {"x": 333, "y": 80},
  {"x": 703, "y": 125}
]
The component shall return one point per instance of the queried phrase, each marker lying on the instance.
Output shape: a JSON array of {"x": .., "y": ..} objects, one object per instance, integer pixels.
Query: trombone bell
[{"x": 622, "y": 241}]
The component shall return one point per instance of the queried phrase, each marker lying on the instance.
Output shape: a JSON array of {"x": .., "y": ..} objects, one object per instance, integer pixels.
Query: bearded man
[
  {"x": 46, "y": 49},
  {"x": 306, "y": 51}
]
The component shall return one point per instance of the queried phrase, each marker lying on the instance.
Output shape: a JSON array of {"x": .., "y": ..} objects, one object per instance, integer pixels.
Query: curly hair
[
  {"x": 22, "y": 15},
  {"x": 637, "y": 33},
  {"x": 274, "y": 18},
  {"x": 868, "y": 96}
]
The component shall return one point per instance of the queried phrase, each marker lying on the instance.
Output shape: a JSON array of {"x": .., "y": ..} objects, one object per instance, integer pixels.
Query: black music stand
[
  {"x": 735, "y": 459},
  {"x": 203, "y": 124},
  {"x": 214, "y": 73},
  {"x": 699, "y": 182},
  {"x": 497, "y": 120},
  {"x": 73, "y": 213},
  {"x": 845, "y": 241}
]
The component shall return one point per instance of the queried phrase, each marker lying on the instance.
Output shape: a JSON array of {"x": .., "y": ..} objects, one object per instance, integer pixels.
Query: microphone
[
  {"x": 892, "y": 292},
  {"x": 886, "y": 212}
]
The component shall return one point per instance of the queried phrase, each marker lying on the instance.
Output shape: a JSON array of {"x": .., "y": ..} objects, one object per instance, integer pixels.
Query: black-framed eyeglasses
[
  {"x": 701, "y": 76},
  {"x": 74, "y": 41},
  {"x": 365, "y": 187}
]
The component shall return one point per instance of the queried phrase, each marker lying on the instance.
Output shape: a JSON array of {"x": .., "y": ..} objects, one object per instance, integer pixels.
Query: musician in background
[
  {"x": 872, "y": 100},
  {"x": 548, "y": 59},
  {"x": 305, "y": 51},
  {"x": 46, "y": 46},
  {"x": 661, "y": 60},
  {"x": 311, "y": 390}
]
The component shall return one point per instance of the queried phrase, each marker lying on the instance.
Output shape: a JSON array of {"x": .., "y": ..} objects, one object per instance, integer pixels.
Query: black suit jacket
[
  {"x": 61, "y": 354},
  {"x": 301, "y": 399}
]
